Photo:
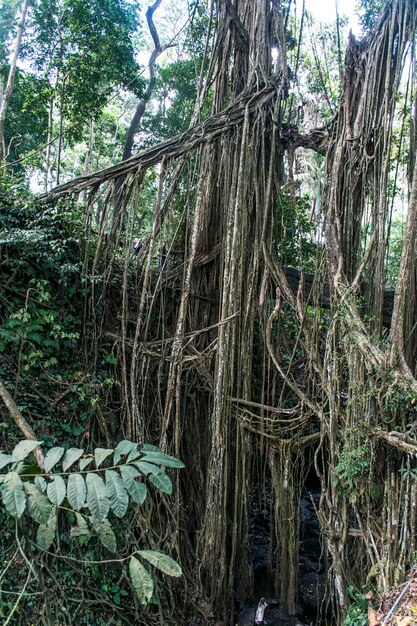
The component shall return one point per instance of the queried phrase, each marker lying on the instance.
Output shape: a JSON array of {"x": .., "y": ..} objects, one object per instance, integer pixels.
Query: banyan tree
[{"x": 257, "y": 375}]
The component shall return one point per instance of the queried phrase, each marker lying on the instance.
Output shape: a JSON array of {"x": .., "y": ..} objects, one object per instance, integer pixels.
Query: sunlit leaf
[
  {"x": 116, "y": 493},
  {"x": 76, "y": 491},
  {"x": 162, "y": 561},
  {"x": 70, "y": 457},
  {"x": 5, "y": 459},
  {"x": 123, "y": 447},
  {"x": 52, "y": 457},
  {"x": 38, "y": 505},
  {"x": 24, "y": 448},
  {"x": 100, "y": 454},
  {"x": 97, "y": 499},
  {"x": 56, "y": 490},
  {"x": 141, "y": 580},
  {"x": 13, "y": 494}
]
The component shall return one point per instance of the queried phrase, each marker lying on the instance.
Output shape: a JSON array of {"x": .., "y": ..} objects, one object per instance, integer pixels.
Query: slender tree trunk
[
  {"x": 141, "y": 107},
  {"x": 48, "y": 146},
  {"x": 10, "y": 81}
]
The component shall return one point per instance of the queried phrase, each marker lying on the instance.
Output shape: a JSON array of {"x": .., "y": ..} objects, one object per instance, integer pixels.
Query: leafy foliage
[{"x": 43, "y": 495}]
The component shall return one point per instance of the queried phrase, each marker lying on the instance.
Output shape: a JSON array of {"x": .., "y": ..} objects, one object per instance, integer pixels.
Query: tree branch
[{"x": 21, "y": 423}]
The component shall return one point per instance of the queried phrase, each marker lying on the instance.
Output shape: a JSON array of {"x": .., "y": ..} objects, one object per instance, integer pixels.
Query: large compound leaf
[
  {"x": 136, "y": 490},
  {"x": 13, "y": 494},
  {"x": 70, "y": 456},
  {"x": 24, "y": 448},
  {"x": 52, "y": 457},
  {"x": 162, "y": 561},
  {"x": 106, "y": 535},
  {"x": 156, "y": 476},
  {"x": 160, "y": 458},
  {"x": 141, "y": 580},
  {"x": 100, "y": 454},
  {"x": 46, "y": 532},
  {"x": 76, "y": 491},
  {"x": 116, "y": 493},
  {"x": 38, "y": 505},
  {"x": 97, "y": 499},
  {"x": 56, "y": 490}
]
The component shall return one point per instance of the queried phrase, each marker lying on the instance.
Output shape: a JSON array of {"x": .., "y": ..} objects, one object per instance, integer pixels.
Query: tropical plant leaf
[
  {"x": 162, "y": 561},
  {"x": 40, "y": 483},
  {"x": 46, "y": 532},
  {"x": 116, "y": 493},
  {"x": 52, "y": 457},
  {"x": 136, "y": 490},
  {"x": 13, "y": 494},
  {"x": 5, "y": 459},
  {"x": 70, "y": 457},
  {"x": 81, "y": 528},
  {"x": 161, "y": 481},
  {"x": 106, "y": 535},
  {"x": 123, "y": 447},
  {"x": 141, "y": 580},
  {"x": 100, "y": 454},
  {"x": 84, "y": 462},
  {"x": 160, "y": 458},
  {"x": 146, "y": 467},
  {"x": 24, "y": 448},
  {"x": 38, "y": 505},
  {"x": 56, "y": 490},
  {"x": 76, "y": 491},
  {"x": 133, "y": 454},
  {"x": 157, "y": 476},
  {"x": 97, "y": 499}
]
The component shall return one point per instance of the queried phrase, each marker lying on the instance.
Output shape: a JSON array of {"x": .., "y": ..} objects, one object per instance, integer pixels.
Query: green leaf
[
  {"x": 141, "y": 580},
  {"x": 70, "y": 456},
  {"x": 40, "y": 483},
  {"x": 162, "y": 561},
  {"x": 123, "y": 448},
  {"x": 116, "y": 492},
  {"x": 5, "y": 459},
  {"x": 136, "y": 490},
  {"x": 160, "y": 458},
  {"x": 56, "y": 490},
  {"x": 81, "y": 528},
  {"x": 133, "y": 454},
  {"x": 76, "y": 491},
  {"x": 46, "y": 532},
  {"x": 52, "y": 458},
  {"x": 24, "y": 448},
  {"x": 97, "y": 497},
  {"x": 100, "y": 454},
  {"x": 157, "y": 476},
  {"x": 106, "y": 535},
  {"x": 85, "y": 462},
  {"x": 13, "y": 494},
  {"x": 38, "y": 505}
]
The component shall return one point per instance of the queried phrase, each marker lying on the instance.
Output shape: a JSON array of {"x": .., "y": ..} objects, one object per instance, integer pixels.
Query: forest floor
[{"x": 398, "y": 607}]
